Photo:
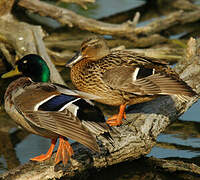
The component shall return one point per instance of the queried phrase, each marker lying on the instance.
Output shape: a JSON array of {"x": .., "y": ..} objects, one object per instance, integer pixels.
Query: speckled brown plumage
[{"x": 121, "y": 77}]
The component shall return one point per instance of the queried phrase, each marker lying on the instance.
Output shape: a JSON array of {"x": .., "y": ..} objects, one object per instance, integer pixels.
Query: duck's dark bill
[
  {"x": 11, "y": 73},
  {"x": 74, "y": 60}
]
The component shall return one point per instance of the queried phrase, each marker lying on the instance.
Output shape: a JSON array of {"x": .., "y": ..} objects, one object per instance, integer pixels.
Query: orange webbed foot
[
  {"x": 116, "y": 120},
  {"x": 64, "y": 151},
  {"x": 46, "y": 156}
]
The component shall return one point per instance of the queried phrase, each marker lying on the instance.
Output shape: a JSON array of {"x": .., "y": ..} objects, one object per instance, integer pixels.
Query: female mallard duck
[
  {"x": 51, "y": 110},
  {"x": 121, "y": 77}
]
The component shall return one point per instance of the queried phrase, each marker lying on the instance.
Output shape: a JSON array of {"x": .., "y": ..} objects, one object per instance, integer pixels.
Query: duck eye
[
  {"x": 25, "y": 61},
  {"x": 83, "y": 48},
  {"x": 97, "y": 46}
]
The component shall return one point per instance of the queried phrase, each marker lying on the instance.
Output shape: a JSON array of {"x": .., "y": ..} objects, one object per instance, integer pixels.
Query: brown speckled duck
[
  {"x": 51, "y": 110},
  {"x": 121, "y": 77}
]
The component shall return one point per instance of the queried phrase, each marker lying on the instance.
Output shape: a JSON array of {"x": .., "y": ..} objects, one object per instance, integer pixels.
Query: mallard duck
[
  {"x": 121, "y": 77},
  {"x": 51, "y": 110}
]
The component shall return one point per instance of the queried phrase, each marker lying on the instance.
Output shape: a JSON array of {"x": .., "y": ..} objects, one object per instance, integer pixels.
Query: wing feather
[
  {"x": 63, "y": 123},
  {"x": 121, "y": 78}
]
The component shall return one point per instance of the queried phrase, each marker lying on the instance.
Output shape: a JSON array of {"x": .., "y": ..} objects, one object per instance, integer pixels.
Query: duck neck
[
  {"x": 42, "y": 75},
  {"x": 39, "y": 72},
  {"x": 78, "y": 71},
  {"x": 45, "y": 77},
  {"x": 80, "y": 66}
]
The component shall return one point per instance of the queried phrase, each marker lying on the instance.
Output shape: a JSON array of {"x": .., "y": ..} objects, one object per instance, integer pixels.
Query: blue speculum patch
[{"x": 56, "y": 103}]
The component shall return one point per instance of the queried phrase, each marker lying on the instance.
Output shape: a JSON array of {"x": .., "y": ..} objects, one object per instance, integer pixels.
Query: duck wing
[
  {"x": 63, "y": 123},
  {"x": 44, "y": 106},
  {"x": 65, "y": 90},
  {"x": 146, "y": 80}
]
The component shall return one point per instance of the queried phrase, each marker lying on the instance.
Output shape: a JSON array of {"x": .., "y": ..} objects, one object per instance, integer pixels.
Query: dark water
[{"x": 185, "y": 134}]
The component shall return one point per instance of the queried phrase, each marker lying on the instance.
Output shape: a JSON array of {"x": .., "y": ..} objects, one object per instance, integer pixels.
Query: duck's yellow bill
[{"x": 11, "y": 73}]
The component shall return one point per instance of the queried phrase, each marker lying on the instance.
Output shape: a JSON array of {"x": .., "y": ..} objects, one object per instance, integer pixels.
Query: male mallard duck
[
  {"x": 121, "y": 77},
  {"x": 51, "y": 110}
]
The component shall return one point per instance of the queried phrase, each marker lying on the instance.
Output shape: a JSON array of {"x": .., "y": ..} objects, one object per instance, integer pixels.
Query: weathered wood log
[{"x": 135, "y": 137}]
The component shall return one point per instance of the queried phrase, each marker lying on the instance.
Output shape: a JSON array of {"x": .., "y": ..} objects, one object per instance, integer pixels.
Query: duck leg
[
  {"x": 64, "y": 151},
  {"x": 46, "y": 156},
  {"x": 116, "y": 120}
]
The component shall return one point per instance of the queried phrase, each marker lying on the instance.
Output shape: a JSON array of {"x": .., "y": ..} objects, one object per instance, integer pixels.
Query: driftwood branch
[
  {"x": 127, "y": 29},
  {"x": 134, "y": 139},
  {"x": 180, "y": 17},
  {"x": 183, "y": 4},
  {"x": 71, "y": 19},
  {"x": 25, "y": 39}
]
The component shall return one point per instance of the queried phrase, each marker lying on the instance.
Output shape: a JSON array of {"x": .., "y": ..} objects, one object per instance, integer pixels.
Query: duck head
[
  {"x": 32, "y": 66},
  {"x": 93, "y": 49}
]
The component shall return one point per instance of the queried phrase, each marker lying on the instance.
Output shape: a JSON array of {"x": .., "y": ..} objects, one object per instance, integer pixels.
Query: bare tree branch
[{"x": 126, "y": 29}]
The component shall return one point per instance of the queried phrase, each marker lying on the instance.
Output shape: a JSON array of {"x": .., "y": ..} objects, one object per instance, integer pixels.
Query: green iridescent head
[{"x": 32, "y": 66}]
